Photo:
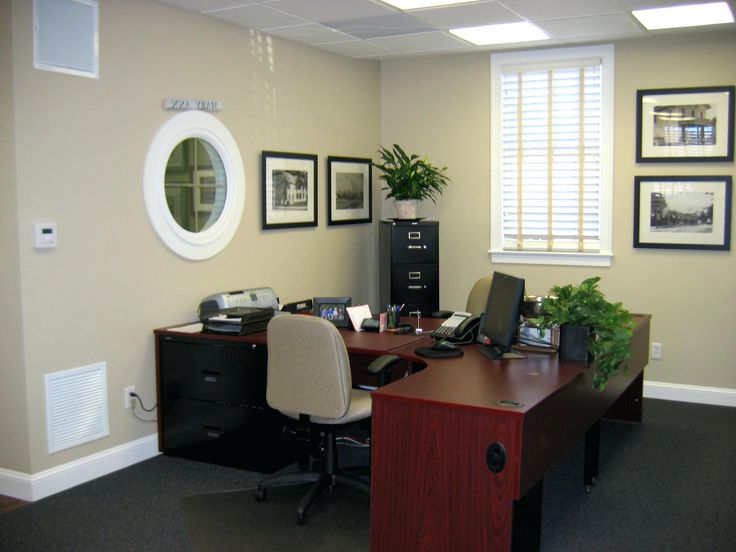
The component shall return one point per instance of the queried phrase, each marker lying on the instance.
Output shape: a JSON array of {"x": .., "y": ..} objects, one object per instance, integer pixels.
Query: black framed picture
[
  {"x": 349, "y": 190},
  {"x": 288, "y": 190},
  {"x": 685, "y": 124},
  {"x": 682, "y": 212},
  {"x": 333, "y": 309}
]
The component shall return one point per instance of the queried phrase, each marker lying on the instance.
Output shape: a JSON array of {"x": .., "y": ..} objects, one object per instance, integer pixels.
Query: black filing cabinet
[
  {"x": 409, "y": 265},
  {"x": 212, "y": 404}
]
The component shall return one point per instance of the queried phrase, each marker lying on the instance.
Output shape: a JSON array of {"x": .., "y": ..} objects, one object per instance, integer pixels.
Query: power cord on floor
[
  {"x": 353, "y": 441},
  {"x": 137, "y": 397}
]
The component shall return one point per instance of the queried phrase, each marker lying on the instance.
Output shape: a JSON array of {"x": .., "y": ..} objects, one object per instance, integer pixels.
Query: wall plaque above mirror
[{"x": 194, "y": 185}]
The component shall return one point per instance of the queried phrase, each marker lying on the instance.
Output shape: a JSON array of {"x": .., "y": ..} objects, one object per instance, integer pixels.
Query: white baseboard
[
  {"x": 36, "y": 486},
  {"x": 719, "y": 396}
]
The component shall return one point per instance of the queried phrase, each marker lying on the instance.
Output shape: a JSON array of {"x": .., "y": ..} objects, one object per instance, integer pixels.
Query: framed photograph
[
  {"x": 204, "y": 190},
  {"x": 682, "y": 212},
  {"x": 349, "y": 190},
  {"x": 289, "y": 190},
  {"x": 685, "y": 124},
  {"x": 333, "y": 309}
]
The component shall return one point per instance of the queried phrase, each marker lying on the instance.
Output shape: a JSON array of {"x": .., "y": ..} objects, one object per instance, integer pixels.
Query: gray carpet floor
[{"x": 667, "y": 484}]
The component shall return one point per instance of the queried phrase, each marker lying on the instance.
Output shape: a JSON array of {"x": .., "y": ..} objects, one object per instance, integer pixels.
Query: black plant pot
[{"x": 574, "y": 342}]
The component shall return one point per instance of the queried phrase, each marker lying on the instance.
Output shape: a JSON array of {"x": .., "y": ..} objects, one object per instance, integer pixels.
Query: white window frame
[{"x": 551, "y": 57}]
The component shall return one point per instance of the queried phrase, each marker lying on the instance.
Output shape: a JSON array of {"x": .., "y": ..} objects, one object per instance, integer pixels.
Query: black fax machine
[{"x": 238, "y": 312}]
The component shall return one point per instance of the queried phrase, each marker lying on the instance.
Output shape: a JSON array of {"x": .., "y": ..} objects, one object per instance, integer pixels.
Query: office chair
[
  {"x": 308, "y": 378},
  {"x": 477, "y": 299},
  {"x": 478, "y": 296}
]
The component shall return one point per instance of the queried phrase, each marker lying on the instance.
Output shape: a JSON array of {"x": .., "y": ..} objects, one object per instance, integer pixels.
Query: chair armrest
[{"x": 382, "y": 366}]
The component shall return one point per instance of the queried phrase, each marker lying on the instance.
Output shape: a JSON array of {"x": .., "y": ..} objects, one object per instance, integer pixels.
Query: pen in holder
[{"x": 393, "y": 313}]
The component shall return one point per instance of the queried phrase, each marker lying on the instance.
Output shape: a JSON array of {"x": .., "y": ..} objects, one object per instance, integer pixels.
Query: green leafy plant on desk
[{"x": 610, "y": 326}]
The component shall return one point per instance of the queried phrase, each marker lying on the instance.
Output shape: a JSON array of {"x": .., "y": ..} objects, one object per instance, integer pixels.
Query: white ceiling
[{"x": 371, "y": 29}]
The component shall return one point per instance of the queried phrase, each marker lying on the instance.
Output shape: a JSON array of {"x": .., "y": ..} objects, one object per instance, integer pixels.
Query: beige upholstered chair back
[
  {"x": 308, "y": 367},
  {"x": 479, "y": 296}
]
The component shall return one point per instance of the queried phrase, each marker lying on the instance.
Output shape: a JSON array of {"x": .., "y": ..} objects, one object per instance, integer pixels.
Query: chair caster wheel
[
  {"x": 260, "y": 495},
  {"x": 301, "y": 519}
]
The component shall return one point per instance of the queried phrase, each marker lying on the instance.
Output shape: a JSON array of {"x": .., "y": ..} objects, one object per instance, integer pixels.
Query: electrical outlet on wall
[
  {"x": 656, "y": 351},
  {"x": 127, "y": 399}
]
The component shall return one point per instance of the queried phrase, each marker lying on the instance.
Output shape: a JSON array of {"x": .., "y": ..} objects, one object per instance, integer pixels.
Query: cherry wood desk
[
  {"x": 459, "y": 449},
  {"x": 211, "y": 392}
]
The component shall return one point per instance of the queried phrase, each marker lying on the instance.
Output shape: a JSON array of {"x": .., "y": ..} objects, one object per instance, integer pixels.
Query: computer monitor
[{"x": 501, "y": 317}]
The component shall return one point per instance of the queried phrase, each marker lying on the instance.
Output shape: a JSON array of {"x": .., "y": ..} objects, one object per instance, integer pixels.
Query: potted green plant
[
  {"x": 409, "y": 179},
  {"x": 607, "y": 326}
]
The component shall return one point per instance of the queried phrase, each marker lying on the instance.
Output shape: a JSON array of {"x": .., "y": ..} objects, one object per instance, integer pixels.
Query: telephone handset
[{"x": 458, "y": 327}]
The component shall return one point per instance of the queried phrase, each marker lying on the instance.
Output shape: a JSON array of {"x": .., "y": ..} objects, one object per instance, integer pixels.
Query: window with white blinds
[{"x": 551, "y": 156}]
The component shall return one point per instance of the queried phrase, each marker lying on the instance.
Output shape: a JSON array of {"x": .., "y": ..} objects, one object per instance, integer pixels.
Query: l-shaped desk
[{"x": 460, "y": 446}]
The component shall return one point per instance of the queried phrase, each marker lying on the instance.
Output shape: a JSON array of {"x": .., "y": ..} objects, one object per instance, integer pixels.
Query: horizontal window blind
[{"x": 550, "y": 144}]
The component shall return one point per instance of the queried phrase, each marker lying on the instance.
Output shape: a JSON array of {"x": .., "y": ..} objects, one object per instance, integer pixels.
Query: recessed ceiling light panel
[
  {"x": 693, "y": 15},
  {"x": 501, "y": 34},
  {"x": 417, "y": 4}
]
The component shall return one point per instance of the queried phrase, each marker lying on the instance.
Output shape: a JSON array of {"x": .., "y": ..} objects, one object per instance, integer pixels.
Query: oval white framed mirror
[{"x": 194, "y": 185}]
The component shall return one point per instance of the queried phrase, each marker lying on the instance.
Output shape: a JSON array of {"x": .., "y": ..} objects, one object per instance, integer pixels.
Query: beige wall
[
  {"x": 14, "y": 451},
  {"x": 440, "y": 106},
  {"x": 80, "y": 150},
  {"x": 73, "y": 151}
]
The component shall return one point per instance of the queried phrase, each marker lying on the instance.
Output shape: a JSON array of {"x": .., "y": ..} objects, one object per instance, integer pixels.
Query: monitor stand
[{"x": 497, "y": 353}]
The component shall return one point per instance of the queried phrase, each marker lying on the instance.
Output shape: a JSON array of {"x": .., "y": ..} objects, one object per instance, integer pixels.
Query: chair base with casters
[
  {"x": 329, "y": 475},
  {"x": 323, "y": 480}
]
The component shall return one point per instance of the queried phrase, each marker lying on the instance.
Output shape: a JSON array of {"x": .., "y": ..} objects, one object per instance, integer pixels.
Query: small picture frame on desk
[{"x": 333, "y": 309}]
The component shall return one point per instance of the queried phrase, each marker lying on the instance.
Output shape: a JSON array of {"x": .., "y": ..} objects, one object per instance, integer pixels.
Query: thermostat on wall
[{"x": 44, "y": 235}]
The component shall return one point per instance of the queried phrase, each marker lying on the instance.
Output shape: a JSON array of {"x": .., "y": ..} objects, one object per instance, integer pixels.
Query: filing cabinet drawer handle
[
  {"x": 210, "y": 376},
  {"x": 416, "y": 247},
  {"x": 417, "y": 287},
  {"x": 415, "y": 275},
  {"x": 212, "y": 432},
  {"x": 415, "y": 235}
]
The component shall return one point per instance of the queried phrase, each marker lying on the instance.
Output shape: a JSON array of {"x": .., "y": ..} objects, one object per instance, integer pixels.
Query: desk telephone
[{"x": 460, "y": 327}]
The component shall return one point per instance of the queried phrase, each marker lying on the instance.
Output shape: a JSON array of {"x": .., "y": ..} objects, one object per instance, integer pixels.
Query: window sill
[{"x": 549, "y": 258}]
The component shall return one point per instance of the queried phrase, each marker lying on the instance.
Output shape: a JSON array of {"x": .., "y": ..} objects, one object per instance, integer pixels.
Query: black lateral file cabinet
[
  {"x": 409, "y": 265},
  {"x": 212, "y": 404}
]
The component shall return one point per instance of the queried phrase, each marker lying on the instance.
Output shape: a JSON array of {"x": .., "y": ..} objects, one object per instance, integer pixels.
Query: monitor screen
[{"x": 501, "y": 317}]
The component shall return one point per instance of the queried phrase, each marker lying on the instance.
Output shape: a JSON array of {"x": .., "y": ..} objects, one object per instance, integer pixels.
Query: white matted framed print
[
  {"x": 685, "y": 124},
  {"x": 349, "y": 190},
  {"x": 682, "y": 212},
  {"x": 289, "y": 190}
]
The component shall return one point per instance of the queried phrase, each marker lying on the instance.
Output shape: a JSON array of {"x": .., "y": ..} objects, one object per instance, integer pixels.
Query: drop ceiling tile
[
  {"x": 208, "y": 5},
  {"x": 357, "y": 48},
  {"x": 332, "y": 10},
  {"x": 534, "y": 10},
  {"x": 594, "y": 26},
  {"x": 311, "y": 34},
  {"x": 397, "y": 23},
  {"x": 257, "y": 16},
  {"x": 467, "y": 15},
  {"x": 422, "y": 42}
]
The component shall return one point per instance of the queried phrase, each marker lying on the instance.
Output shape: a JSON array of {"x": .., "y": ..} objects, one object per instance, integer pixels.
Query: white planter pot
[{"x": 406, "y": 208}]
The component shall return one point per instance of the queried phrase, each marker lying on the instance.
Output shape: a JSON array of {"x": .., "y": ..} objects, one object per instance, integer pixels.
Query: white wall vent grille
[
  {"x": 66, "y": 37},
  {"x": 76, "y": 406}
]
